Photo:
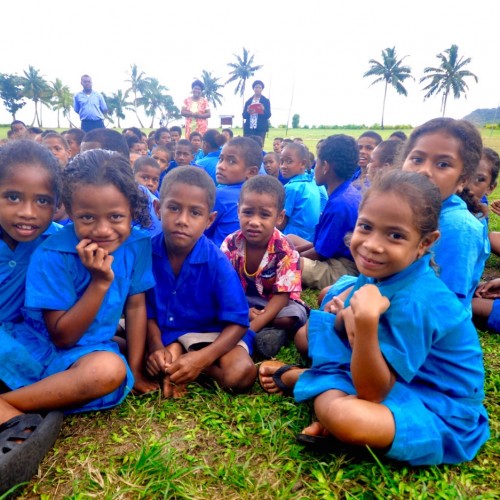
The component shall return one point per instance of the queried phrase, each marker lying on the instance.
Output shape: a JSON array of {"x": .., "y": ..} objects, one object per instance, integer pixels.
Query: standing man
[{"x": 90, "y": 105}]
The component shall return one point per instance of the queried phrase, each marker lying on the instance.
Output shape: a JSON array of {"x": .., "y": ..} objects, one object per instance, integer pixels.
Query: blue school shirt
[
  {"x": 302, "y": 206},
  {"x": 338, "y": 218},
  {"x": 209, "y": 163},
  {"x": 204, "y": 297},
  {"x": 13, "y": 268},
  {"x": 57, "y": 280},
  {"x": 226, "y": 206},
  {"x": 429, "y": 341},
  {"x": 462, "y": 249}
]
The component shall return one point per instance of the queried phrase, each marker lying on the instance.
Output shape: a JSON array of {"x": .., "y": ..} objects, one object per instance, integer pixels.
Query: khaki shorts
[
  {"x": 190, "y": 340},
  {"x": 321, "y": 273}
]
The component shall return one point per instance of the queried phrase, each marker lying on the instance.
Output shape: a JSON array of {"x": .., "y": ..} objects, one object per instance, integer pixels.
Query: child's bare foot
[
  {"x": 167, "y": 388},
  {"x": 180, "y": 390},
  {"x": 277, "y": 377},
  {"x": 315, "y": 429}
]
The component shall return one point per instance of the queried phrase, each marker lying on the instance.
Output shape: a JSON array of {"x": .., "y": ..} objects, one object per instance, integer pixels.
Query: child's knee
[
  {"x": 336, "y": 416},
  {"x": 105, "y": 370},
  {"x": 240, "y": 376}
]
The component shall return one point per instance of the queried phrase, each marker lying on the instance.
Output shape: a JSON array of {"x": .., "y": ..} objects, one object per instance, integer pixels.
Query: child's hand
[
  {"x": 335, "y": 305},
  {"x": 186, "y": 368},
  {"x": 253, "y": 313},
  {"x": 495, "y": 207},
  {"x": 96, "y": 260},
  {"x": 368, "y": 303},
  {"x": 157, "y": 362},
  {"x": 489, "y": 289},
  {"x": 143, "y": 385}
]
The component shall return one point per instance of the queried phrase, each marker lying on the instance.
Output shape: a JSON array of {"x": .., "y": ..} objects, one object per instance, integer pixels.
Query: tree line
[{"x": 148, "y": 93}]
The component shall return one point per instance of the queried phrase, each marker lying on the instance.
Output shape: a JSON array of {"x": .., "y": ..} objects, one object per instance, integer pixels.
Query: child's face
[
  {"x": 258, "y": 216},
  {"x": 101, "y": 214},
  {"x": 27, "y": 204},
  {"x": 366, "y": 145},
  {"x": 57, "y": 148},
  {"x": 271, "y": 166},
  {"x": 139, "y": 148},
  {"x": 184, "y": 216},
  {"x": 291, "y": 163},
  {"x": 437, "y": 156},
  {"x": 231, "y": 168},
  {"x": 277, "y": 146},
  {"x": 196, "y": 142},
  {"x": 148, "y": 176},
  {"x": 74, "y": 147},
  {"x": 164, "y": 139},
  {"x": 482, "y": 184},
  {"x": 375, "y": 164},
  {"x": 183, "y": 155},
  {"x": 385, "y": 240},
  {"x": 175, "y": 136},
  {"x": 162, "y": 158}
]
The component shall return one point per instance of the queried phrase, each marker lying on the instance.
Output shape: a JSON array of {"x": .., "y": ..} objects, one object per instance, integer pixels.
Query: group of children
[{"x": 395, "y": 361}]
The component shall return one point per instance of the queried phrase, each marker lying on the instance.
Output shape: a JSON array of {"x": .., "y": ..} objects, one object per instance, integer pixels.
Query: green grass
[{"x": 211, "y": 445}]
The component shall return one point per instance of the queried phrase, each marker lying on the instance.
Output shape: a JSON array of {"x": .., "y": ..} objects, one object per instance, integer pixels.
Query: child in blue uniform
[
  {"x": 403, "y": 373},
  {"x": 328, "y": 258},
  {"x": 78, "y": 284},
  {"x": 197, "y": 313},
  {"x": 302, "y": 198},
  {"x": 30, "y": 188},
  {"x": 239, "y": 160},
  {"x": 448, "y": 151}
]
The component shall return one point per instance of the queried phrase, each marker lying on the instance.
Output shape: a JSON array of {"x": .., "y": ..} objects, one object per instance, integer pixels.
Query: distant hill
[{"x": 482, "y": 117}]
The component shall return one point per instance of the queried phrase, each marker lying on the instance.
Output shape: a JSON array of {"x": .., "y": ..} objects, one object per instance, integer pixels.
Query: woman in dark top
[{"x": 257, "y": 112}]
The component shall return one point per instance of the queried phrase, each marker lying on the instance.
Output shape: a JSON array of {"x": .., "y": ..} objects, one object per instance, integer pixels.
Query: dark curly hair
[
  {"x": 28, "y": 152},
  {"x": 341, "y": 152},
  {"x": 99, "y": 167}
]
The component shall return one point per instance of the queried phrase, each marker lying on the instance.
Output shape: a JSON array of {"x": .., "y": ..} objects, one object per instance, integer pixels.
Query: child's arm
[
  {"x": 311, "y": 253},
  {"x": 371, "y": 375},
  {"x": 67, "y": 327},
  {"x": 136, "y": 326},
  {"x": 260, "y": 318},
  {"x": 495, "y": 242},
  {"x": 189, "y": 366}
]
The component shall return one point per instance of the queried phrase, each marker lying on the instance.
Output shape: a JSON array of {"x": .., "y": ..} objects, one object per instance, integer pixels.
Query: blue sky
[{"x": 314, "y": 53}]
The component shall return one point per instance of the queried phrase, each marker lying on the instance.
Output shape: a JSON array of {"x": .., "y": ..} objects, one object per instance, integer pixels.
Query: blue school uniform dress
[
  {"x": 462, "y": 249},
  {"x": 338, "y": 218},
  {"x": 226, "y": 206},
  {"x": 57, "y": 279},
  {"x": 204, "y": 297},
  {"x": 431, "y": 345},
  {"x": 302, "y": 206},
  {"x": 15, "y": 359},
  {"x": 209, "y": 163}
]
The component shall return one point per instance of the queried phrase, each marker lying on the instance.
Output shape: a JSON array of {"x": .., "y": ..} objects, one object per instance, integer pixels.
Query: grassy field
[{"x": 210, "y": 445}]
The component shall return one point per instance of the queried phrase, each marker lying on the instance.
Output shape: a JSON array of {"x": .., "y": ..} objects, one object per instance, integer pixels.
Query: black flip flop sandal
[{"x": 24, "y": 441}]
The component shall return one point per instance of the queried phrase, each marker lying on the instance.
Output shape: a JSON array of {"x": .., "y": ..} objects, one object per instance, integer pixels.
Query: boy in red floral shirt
[{"x": 268, "y": 265}]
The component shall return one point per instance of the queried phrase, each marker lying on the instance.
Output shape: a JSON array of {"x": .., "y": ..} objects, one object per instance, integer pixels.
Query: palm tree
[
  {"x": 62, "y": 99},
  {"x": 449, "y": 76},
  {"x": 152, "y": 98},
  {"x": 37, "y": 89},
  {"x": 117, "y": 104},
  {"x": 242, "y": 71},
  {"x": 211, "y": 88},
  {"x": 137, "y": 84},
  {"x": 391, "y": 71}
]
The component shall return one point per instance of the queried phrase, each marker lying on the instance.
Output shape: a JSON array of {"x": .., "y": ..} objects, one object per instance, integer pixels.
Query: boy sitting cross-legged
[
  {"x": 267, "y": 264},
  {"x": 197, "y": 313}
]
